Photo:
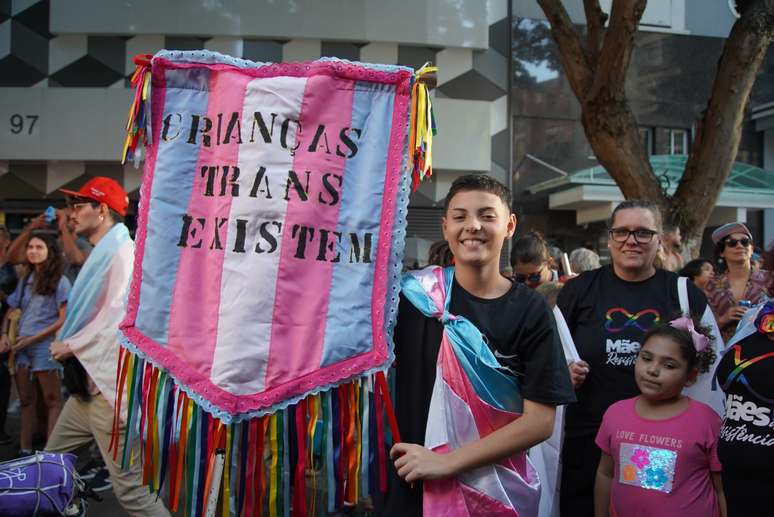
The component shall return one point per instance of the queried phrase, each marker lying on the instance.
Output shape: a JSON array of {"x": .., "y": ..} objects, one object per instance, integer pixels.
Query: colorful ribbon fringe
[
  {"x": 332, "y": 443},
  {"x": 139, "y": 116},
  {"x": 422, "y": 128}
]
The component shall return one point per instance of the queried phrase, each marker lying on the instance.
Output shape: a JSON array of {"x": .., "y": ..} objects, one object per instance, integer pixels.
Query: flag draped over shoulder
[
  {"x": 96, "y": 306},
  {"x": 269, "y": 246},
  {"x": 472, "y": 397}
]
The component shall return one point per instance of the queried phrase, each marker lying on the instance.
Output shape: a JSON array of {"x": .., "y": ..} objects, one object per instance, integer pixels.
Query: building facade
[{"x": 502, "y": 103}]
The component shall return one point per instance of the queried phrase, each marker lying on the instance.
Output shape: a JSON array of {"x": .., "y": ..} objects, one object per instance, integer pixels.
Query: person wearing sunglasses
[
  {"x": 736, "y": 287},
  {"x": 531, "y": 261}
]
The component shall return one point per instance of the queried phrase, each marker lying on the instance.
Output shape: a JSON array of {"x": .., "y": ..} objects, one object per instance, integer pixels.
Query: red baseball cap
[{"x": 103, "y": 190}]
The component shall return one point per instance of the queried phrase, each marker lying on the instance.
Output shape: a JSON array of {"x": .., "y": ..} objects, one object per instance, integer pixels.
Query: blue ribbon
[{"x": 492, "y": 384}]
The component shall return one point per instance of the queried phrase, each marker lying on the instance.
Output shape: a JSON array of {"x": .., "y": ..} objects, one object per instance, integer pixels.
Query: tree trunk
[
  {"x": 714, "y": 152},
  {"x": 597, "y": 77},
  {"x": 612, "y": 131}
]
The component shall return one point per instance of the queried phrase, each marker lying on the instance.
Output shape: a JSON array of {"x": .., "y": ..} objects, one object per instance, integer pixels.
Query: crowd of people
[
  {"x": 649, "y": 432},
  {"x": 64, "y": 282},
  {"x": 654, "y": 375}
]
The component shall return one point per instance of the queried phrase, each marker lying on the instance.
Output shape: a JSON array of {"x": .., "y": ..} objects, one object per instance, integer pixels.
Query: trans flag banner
[{"x": 268, "y": 255}]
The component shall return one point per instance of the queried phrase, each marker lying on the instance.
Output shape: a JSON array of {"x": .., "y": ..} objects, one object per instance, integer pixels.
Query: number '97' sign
[{"x": 22, "y": 124}]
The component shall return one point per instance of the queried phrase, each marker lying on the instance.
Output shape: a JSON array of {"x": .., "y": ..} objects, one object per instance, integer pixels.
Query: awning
[{"x": 593, "y": 194}]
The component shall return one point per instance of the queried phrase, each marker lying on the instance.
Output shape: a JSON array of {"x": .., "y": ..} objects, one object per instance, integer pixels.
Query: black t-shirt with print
[
  {"x": 607, "y": 317},
  {"x": 745, "y": 373},
  {"x": 520, "y": 329}
]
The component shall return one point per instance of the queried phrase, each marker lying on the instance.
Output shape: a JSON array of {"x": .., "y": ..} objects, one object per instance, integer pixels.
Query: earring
[{"x": 101, "y": 218}]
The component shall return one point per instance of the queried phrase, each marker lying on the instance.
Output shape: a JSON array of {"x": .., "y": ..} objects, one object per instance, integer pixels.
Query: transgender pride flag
[
  {"x": 472, "y": 397},
  {"x": 270, "y": 230}
]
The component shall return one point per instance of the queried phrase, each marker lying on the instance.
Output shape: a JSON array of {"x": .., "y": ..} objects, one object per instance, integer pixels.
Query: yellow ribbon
[
  {"x": 227, "y": 473},
  {"x": 273, "y": 479}
]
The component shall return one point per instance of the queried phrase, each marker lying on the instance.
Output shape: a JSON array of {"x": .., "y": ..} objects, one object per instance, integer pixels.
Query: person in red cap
[
  {"x": 96, "y": 191},
  {"x": 87, "y": 343},
  {"x": 736, "y": 287}
]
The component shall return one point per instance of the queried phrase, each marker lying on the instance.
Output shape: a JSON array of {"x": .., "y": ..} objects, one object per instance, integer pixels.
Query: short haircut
[
  {"x": 639, "y": 203},
  {"x": 583, "y": 259},
  {"x": 115, "y": 216},
  {"x": 480, "y": 182},
  {"x": 531, "y": 248},
  {"x": 440, "y": 254}
]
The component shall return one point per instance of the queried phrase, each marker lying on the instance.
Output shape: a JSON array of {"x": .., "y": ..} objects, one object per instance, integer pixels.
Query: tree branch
[
  {"x": 576, "y": 64},
  {"x": 717, "y": 144},
  {"x": 595, "y": 23},
  {"x": 617, "y": 47}
]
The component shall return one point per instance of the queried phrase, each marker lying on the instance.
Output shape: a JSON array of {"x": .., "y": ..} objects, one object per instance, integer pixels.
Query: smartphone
[
  {"x": 50, "y": 214},
  {"x": 745, "y": 303}
]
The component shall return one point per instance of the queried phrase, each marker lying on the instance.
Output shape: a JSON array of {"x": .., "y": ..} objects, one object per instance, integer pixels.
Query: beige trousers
[{"x": 78, "y": 424}]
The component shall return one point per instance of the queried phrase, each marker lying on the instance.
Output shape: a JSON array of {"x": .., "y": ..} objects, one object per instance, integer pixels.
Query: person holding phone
[{"x": 736, "y": 287}]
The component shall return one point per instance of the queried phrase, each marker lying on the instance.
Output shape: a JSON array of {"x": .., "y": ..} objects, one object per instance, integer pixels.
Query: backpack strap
[{"x": 682, "y": 294}]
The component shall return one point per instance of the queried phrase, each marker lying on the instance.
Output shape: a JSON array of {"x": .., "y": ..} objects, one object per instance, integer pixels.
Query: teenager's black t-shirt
[
  {"x": 608, "y": 317},
  {"x": 520, "y": 329},
  {"x": 745, "y": 373}
]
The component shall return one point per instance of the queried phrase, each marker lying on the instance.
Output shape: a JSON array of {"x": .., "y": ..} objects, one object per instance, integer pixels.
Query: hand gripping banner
[{"x": 269, "y": 246}]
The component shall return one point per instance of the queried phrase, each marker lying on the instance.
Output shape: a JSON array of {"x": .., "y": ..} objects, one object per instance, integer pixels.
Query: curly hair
[
  {"x": 693, "y": 268},
  {"x": 703, "y": 360},
  {"x": 47, "y": 282}
]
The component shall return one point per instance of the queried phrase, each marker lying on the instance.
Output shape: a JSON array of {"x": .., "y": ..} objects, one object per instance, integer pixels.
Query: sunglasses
[
  {"x": 731, "y": 243},
  {"x": 532, "y": 278}
]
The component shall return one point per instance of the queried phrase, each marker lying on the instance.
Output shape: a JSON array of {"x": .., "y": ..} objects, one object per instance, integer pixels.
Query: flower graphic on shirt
[
  {"x": 640, "y": 458},
  {"x": 655, "y": 477},
  {"x": 629, "y": 473}
]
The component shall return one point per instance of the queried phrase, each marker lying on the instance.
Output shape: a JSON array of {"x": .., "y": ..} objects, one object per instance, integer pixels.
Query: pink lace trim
[{"x": 402, "y": 78}]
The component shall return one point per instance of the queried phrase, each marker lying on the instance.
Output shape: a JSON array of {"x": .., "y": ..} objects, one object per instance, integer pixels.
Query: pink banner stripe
[
  {"x": 193, "y": 323},
  {"x": 303, "y": 284}
]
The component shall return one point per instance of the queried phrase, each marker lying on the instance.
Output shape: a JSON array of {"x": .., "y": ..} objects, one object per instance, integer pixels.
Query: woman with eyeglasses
[
  {"x": 608, "y": 311},
  {"x": 736, "y": 287},
  {"x": 531, "y": 261}
]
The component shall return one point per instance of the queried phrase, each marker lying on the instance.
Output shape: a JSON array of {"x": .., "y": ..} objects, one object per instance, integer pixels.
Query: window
[
  {"x": 679, "y": 141},
  {"x": 646, "y": 137}
]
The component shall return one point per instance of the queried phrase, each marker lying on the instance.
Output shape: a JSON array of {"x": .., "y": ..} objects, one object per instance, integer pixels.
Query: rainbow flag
[{"x": 268, "y": 262}]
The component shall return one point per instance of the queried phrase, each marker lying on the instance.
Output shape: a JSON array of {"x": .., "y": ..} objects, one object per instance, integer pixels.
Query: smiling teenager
[
  {"x": 518, "y": 348},
  {"x": 608, "y": 311}
]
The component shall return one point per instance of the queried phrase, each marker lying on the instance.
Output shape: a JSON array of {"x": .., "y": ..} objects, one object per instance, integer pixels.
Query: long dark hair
[{"x": 48, "y": 276}]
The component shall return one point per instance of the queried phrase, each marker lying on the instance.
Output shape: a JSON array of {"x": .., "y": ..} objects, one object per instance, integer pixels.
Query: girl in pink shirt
[{"x": 659, "y": 450}]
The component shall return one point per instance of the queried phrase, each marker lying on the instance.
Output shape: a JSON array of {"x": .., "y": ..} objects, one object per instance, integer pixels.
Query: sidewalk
[{"x": 109, "y": 507}]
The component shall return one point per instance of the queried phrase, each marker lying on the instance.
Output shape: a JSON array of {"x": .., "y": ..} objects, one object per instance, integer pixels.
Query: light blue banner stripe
[
  {"x": 361, "y": 205},
  {"x": 171, "y": 193}
]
